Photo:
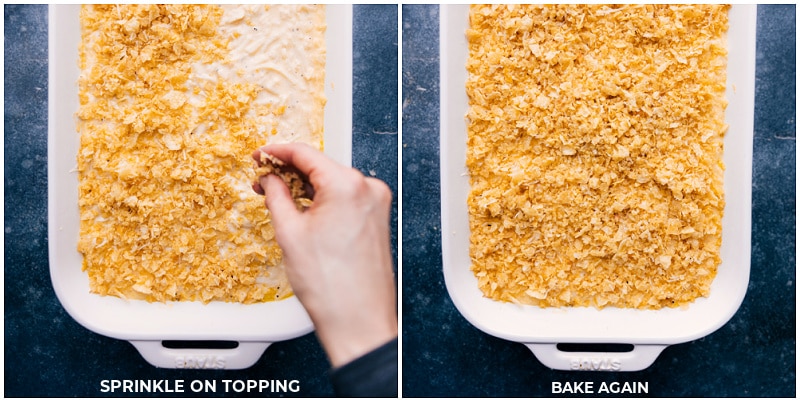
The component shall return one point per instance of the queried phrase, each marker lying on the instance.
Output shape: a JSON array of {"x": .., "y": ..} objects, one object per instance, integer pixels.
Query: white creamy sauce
[{"x": 275, "y": 49}]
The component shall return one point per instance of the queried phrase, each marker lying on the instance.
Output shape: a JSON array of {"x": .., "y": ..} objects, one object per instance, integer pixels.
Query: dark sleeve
[{"x": 371, "y": 375}]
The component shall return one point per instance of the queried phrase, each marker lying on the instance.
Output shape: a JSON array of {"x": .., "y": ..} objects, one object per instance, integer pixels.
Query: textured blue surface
[
  {"x": 752, "y": 356},
  {"x": 46, "y": 352}
]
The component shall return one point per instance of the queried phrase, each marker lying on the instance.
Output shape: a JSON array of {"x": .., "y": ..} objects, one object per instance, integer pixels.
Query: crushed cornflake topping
[
  {"x": 595, "y": 138},
  {"x": 165, "y": 167}
]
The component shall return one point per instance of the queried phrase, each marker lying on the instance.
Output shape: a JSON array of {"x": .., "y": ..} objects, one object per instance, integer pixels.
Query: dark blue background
[
  {"x": 752, "y": 356},
  {"x": 46, "y": 352}
]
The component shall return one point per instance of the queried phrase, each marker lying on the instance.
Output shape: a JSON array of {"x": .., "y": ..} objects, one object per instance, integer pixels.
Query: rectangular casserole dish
[
  {"x": 144, "y": 324},
  {"x": 649, "y": 331}
]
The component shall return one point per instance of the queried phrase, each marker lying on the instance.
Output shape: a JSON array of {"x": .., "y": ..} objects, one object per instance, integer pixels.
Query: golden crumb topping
[
  {"x": 595, "y": 138},
  {"x": 168, "y": 121}
]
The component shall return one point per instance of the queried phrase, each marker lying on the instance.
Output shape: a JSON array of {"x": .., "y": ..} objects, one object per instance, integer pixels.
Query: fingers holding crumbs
[
  {"x": 298, "y": 186},
  {"x": 337, "y": 253}
]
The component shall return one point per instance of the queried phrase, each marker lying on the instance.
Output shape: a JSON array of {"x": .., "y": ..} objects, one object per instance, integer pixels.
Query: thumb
[{"x": 278, "y": 200}]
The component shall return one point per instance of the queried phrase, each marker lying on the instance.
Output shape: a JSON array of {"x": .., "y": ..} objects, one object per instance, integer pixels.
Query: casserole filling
[
  {"x": 173, "y": 101},
  {"x": 595, "y": 140}
]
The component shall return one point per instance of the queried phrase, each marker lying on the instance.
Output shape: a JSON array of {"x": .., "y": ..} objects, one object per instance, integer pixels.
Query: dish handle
[
  {"x": 637, "y": 359},
  {"x": 244, "y": 355}
]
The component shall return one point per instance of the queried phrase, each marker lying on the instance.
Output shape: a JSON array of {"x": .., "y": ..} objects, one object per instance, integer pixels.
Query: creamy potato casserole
[
  {"x": 173, "y": 101},
  {"x": 595, "y": 139}
]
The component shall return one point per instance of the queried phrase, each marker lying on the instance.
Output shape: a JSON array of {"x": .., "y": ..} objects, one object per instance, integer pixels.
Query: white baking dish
[
  {"x": 650, "y": 331},
  {"x": 144, "y": 324}
]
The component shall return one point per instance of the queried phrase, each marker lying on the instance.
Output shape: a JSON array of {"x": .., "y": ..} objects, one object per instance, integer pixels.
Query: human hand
[{"x": 337, "y": 252}]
